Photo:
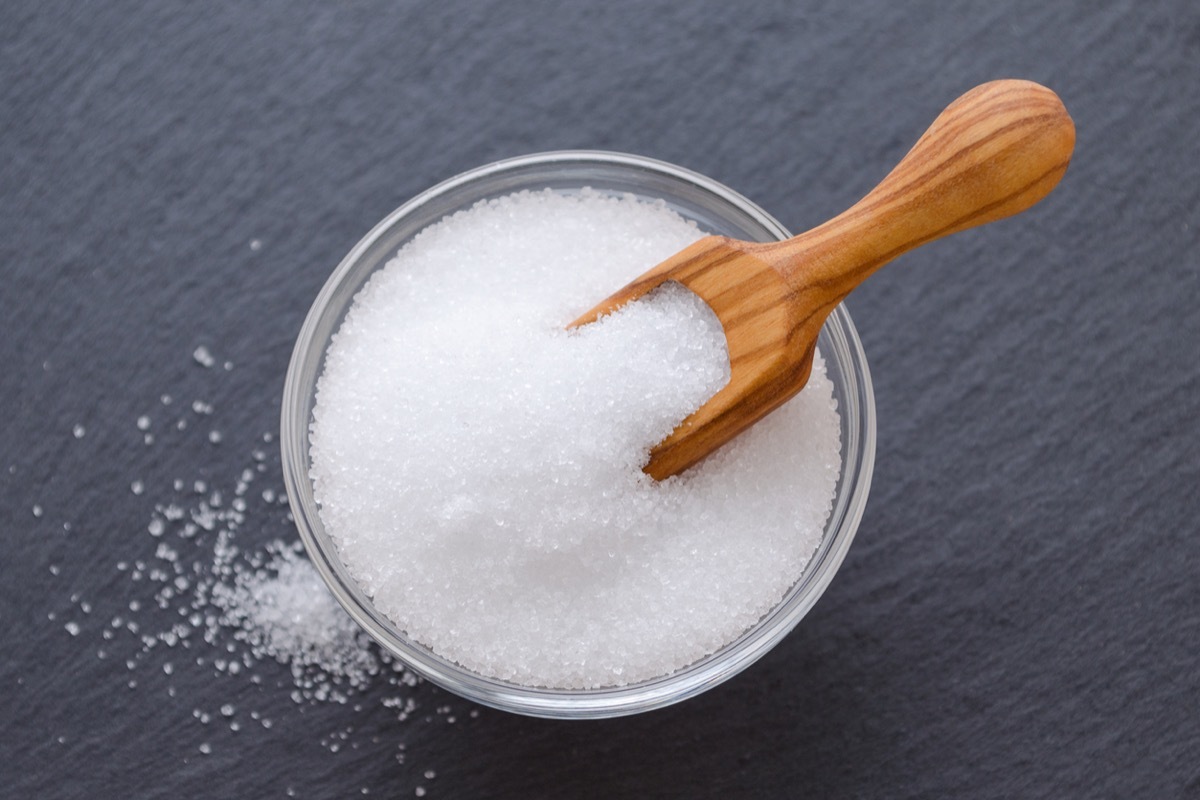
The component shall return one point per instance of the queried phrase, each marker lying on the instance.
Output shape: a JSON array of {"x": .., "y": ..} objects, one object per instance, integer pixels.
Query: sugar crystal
[{"x": 203, "y": 357}]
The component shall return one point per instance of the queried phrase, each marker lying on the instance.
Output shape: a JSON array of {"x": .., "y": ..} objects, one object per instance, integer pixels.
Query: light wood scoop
[{"x": 993, "y": 152}]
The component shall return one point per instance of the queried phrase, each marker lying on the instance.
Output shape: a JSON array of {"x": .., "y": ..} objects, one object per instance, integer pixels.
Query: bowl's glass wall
[{"x": 717, "y": 210}]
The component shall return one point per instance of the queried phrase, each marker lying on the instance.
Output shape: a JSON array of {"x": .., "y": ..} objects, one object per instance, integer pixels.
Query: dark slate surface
[{"x": 1019, "y": 615}]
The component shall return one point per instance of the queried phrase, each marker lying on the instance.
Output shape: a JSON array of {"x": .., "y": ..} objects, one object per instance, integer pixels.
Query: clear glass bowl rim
[{"x": 845, "y": 359}]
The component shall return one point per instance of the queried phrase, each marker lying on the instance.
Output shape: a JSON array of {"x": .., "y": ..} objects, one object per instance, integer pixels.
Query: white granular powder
[
  {"x": 221, "y": 590},
  {"x": 281, "y": 609},
  {"x": 479, "y": 467},
  {"x": 203, "y": 357}
]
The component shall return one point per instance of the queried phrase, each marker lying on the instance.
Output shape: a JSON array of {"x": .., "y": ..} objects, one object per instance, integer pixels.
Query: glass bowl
[{"x": 715, "y": 209}]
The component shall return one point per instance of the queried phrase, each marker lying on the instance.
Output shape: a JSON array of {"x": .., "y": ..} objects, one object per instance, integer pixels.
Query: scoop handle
[{"x": 994, "y": 152}]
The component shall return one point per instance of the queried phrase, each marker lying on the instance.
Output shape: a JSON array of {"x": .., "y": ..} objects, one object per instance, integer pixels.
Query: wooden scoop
[{"x": 993, "y": 152}]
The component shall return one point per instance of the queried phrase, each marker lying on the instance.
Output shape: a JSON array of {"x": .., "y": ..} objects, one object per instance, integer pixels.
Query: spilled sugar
[
  {"x": 282, "y": 610},
  {"x": 250, "y": 606},
  {"x": 215, "y": 593},
  {"x": 479, "y": 468},
  {"x": 246, "y": 606}
]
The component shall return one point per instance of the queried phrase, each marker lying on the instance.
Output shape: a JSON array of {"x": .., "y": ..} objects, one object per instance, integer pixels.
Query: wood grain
[{"x": 996, "y": 151}]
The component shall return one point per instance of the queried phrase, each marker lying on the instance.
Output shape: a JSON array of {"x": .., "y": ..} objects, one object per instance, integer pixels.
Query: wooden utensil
[{"x": 993, "y": 152}]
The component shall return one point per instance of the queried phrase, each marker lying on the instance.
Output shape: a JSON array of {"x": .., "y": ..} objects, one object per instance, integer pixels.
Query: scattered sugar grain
[
  {"x": 256, "y": 605},
  {"x": 479, "y": 468},
  {"x": 203, "y": 357}
]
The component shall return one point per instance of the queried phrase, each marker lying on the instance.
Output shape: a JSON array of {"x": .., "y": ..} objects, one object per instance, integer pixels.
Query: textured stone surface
[{"x": 1019, "y": 615}]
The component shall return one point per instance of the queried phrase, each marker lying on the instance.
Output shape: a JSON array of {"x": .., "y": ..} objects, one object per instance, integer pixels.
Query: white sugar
[
  {"x": 282, "y": 610},
  {"x": 250, "y": 605},
  {"x": 479, "y": 467},
  {"x": 203, "y": 357}
]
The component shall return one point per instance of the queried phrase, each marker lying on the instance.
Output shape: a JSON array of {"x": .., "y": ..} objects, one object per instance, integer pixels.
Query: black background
[{"x": 1019, "y": 615}]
